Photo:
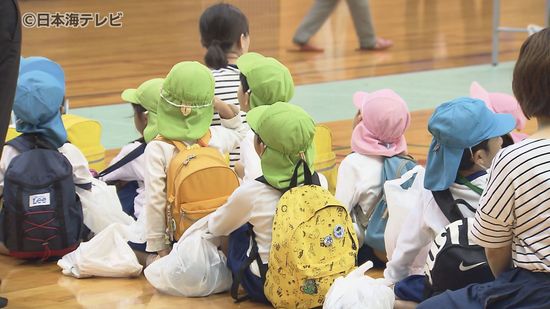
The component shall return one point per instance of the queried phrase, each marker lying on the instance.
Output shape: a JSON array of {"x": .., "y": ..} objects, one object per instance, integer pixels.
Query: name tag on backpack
[{"x": 39, "y": 200}]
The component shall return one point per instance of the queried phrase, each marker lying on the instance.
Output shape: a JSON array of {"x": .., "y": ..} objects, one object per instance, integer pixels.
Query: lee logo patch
[{"x": 39, "y": 200}]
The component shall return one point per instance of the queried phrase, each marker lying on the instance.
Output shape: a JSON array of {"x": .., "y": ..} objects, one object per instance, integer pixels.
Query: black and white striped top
[
  {"x": 515, "y": 207},
  {"x": 227, "y": 83}
]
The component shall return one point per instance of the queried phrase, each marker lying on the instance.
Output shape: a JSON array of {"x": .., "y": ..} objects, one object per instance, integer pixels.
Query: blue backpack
[
  {"x": 42, "y": 214},
  {"x": 394, "y": 167}
]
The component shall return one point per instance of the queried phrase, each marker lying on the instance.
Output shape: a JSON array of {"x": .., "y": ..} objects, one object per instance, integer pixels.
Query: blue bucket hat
[
  {"x": 457, "y": 125},
  {"x": 38, "y": 99}
]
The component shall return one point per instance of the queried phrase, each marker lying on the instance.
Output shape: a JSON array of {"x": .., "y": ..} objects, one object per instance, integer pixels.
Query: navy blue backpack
[{"x": 42, "y": 214}]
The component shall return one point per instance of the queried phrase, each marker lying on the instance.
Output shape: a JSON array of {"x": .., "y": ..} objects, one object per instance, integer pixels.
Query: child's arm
[
  {"x": 412, "y": 240},
  {"x": 229, "y": 135},
  {"x": 226, "y": 111},
  {"x": 499, "y": 259},
  {"x": 495, "y": 217},
  {"x": 81, "y": 169},
  {"x": 155, "y": 205},
  {"x": 7, "y": 155},
  {"x": 234, "y": 213}
]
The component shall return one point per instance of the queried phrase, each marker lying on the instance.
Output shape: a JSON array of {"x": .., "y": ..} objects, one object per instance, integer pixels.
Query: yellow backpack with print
[{"x": 313, "y": 243}]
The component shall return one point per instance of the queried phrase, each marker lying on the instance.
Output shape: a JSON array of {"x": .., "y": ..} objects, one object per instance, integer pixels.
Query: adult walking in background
[
  {"x": 360, "y": 14},
  {"x": 10, "y": 52}
]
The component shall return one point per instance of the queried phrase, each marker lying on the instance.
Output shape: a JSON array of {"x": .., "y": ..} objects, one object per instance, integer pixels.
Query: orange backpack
[{"x": 198, "y": 181}]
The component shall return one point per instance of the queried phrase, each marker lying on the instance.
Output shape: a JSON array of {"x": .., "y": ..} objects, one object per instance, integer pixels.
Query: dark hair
[
  {"x": 244, "y": 82},
  {"x": 466, "y": 162},
  {"x": 531, "y": 82},
  {"x": 507, "y": 140},
  {"x": 138, "y": 108},
  {"x": 221, "y": 26}
]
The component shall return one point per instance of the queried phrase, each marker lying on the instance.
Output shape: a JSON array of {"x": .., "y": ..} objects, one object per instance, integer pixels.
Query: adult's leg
[
  {"x": 360, "y": 13},
  {"x": 314, "y": 19},
  {"x": 10, "y": 51}
]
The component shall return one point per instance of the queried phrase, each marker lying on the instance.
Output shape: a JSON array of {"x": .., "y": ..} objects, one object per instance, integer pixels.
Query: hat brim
[
  {"x": 502, "y": 124},
  {"x": 246, "y": 62},
  {"x": 130, "y": 95},
  {"x": 443, "y": 161},
  {"x": 254, "y": 116},
  {"x": 358, "y": 99},
  {"x": 478, "y": 92}
]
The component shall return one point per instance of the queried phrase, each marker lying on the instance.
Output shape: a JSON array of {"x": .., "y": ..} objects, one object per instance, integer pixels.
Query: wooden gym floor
[{"x": 101, "y": 62}]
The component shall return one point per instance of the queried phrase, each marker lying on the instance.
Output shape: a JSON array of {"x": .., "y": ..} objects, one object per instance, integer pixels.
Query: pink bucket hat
[
  {"x": 501, "y": 103},
  {"x": 385, "y": 117}
]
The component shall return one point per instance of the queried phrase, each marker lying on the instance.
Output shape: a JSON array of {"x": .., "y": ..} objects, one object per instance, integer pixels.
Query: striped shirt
[
  {"x": 227, "y": 83},
  {"x": 515, "y": 207}
]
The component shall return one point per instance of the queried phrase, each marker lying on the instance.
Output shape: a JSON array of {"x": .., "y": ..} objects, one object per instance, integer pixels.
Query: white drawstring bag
[
  {"x": 107, "y": 254},
  {"x": 357, "y": 290},
  {"x": 194, "y": 268},
  {"x": 400, "y": 202},
  {"x": 101, "y": 206}
]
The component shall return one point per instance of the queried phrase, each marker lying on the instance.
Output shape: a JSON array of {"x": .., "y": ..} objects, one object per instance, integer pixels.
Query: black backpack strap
[
  {"x": 315, "y": 180},
  {"x": 253, "y": 256},
  {"x": 26, "y": 142},
  {"x": 448, "y": 205},
  {"x": 134, "y": 154}
]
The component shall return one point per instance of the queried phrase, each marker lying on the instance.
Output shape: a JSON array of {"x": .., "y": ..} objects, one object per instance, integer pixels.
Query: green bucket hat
[
  {"x": 185, "y": 107},
  {"x": 146, "y": 95},
  {"x": 269, "y": 80},
  {"x": 287, "y": 131}
]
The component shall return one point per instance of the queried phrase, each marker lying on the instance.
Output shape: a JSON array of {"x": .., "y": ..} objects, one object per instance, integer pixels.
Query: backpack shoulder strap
[
  {"x": 21, "y": 143},
  {"x": 26, "y": 142},
  {"x": 314, "y": 178},
  {"x": 202, "y": 142},
  {"x": 394, "y": 167},
  {"x": 205, "y": 140},
  {"x": 448, "y": 205},
  {"x": 132, "y": 155}
]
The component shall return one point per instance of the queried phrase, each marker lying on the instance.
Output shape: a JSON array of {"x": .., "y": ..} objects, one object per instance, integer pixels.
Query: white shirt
[
  {"x": 131, "y": 171},
  {"x": 253, "y": 202},
  {"x": 249, "y": 158},
  {"x": 515, "y": 208},
  {"x": 81, "y": 172},
  {"x": 422, "y": 226},
  {"x": 157, "y": 158},
  {"x": 360, "y": 184}
]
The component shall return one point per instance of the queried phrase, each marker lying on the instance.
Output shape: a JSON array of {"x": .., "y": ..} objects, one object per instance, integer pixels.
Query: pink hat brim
[
  {"x": 478, "y": 92},
  {"x": 518, "y": 136},
  {"x": 359, "y": 98}
]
